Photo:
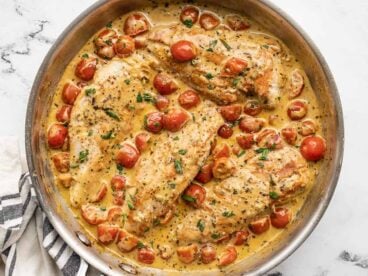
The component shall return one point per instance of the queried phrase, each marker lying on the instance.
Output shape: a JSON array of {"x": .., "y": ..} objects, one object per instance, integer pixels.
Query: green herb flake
[
  {"x": 108, "y": 135},
  {"x": 140, "y": 245},
  {"x": 264, "y": 152},
  {"x": 85, "y": 55},
  {"x": 227, "y": 46},
  {"x": 178, "y": 166},
  {"x": 240, "y": 154},
  {"x": 188, "y": 198},
  {"x": 228, "y": 214},
  {"x": 120, "y": 168},
  {"x": 90, "y": 132},
  {"x": 176, "y": 138},
  {"x": 188, "y": 23},
  {"x": 235, "y": 82},
  {"x": 172, "y": 185},
  {"x": 211, "y": 45},
  {"x": 111, "y": 114},
  {"x": 209, "y": 76},
  {"x": 215, "y": 236},
  {"x": 130, "y": 205},
  {"x": 74, "y": 166},
  {"x": 201, "y": 225},
  {"x": 274, "y": 195},
  {"x": 103, "y": 208},
  {"x": 109, "y": 25},
  {"x": 139, "y": 98},
  {"x": 182, "y": 151},
  {"x": 90, "y": 91},
  {"x": 127, "y": 81},
  {"x": 83, "y": 156}
]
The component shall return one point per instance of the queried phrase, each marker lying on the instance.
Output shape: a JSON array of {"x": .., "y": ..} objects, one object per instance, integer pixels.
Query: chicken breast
[{"x": 260, "y": 73}]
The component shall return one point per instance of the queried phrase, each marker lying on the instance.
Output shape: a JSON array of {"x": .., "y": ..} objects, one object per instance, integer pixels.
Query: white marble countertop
[{"x": 338, "y": 27}]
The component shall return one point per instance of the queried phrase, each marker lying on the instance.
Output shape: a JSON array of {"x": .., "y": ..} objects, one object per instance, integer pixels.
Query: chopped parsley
[
  {"x": 85, "y": 55},
  {"x": 264, "y": 152},
  {"x": 172, "y": 185},
  {"x": 235, "y": 82},
  {"x": 209, "y": 76},
  {"x": 111, "y": 114},
  {"x": 90, "y": 132},
  {"x": 227, "y": 46},
  {"x": 120, "y": 168},
  {"x": 228, "y": 214},
  {"x": 83, "y": 156},
  {"x": 103, "y": 208},
  {"x": 274, "y": 195},
  {"x": 200, "y": 225},
  {"x": 241, "y": 153},
  {"x": 108, "y": 135},
  {"x": 212, "y": 45},
  {"x": 131, "y": 202},
  {"x": 182, "y": 151},
  {"x": 188, "y": 198},
  {"x": 127, "y": 81},
  {"x": 178, "y": 166},
  {"x": 109, "y": 25},
  {"x": 140, "y": 245},
  {"x": 90, "y": 91},
  {"x": 146, "y": 97},
  {"x": 74, "y": 166},
  {"x": 215, "y": 236},
  {"x": 176, "y": 138},
  {"x": 188, "y": 23}
]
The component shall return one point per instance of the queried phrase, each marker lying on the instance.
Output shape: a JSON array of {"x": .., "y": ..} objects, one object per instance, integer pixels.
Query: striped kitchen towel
[{"x": 18, "y": 206}]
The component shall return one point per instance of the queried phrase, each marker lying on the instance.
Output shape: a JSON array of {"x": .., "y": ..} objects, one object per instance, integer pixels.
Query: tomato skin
[
  {"x": 189, "y": 13},
  {"x": 100, "y": 194},
  {"x": 136, "y": 24},
  {"x": 225, "y": 131},
  {"x": 189, "y": 99},
  {"x": 164, "y": 84},
  {"x": 205, "y": 173},
  {"x": 236, "y": 23},
  {"x": 233, "y": 67},
  {"x": 63, "y": 114},
  {"x": 289, "y": 134},
  {"x": 162, "y": 103},
  {"x": 251, "y": 125},
  {"x": 106, "y": 232},
  {"x": 154, "y": 122},
  {"x": 141, "y": 141},
  {"x": 280, "y": 217},
  {"x": 231, "y": 113},
  {"x": 260, "y": 226},
  {"x": 220, "y": 151},
  {"x": 56, "y": 136},
  {"x": 297, "y": 110},
  {"x": 252, "y": 107},
  {"x": 187, "y": 254},
  {"x": 118, "y": 183},
  {"x": 175, "y": 119},
  {"x": 126, "y": 242},
  {"x": 93, "y": 214},
  {"x": 86, "y": 68},
  {"x": 124, "y": 46},
  {"x": 61, "y": 161},
  {"x": 114, "y": 214},
  {"x": 146, "y": 255},
  {"x": 183, "y": 51},
  {"x": 296, "y": 84},
  {"x": 127, "y": 156},
  {"x": 209, "y": 21},
  {"x": 70, "y": 93},
  {"x": 228, "y": 256},
  {"x": 313, "y": 148},
  {"x": 105, "y": 38},
  {"x": 245, "y": 141},
  {"x": 241, "y": 237},
  {"x": 118, "y": 198},
  {"x": 197, "y": 192},
  {"x": 208, "y": 253}
]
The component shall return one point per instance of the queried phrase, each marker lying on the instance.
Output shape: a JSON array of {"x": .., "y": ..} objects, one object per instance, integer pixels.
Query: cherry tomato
[
  {"x": 63, "y": 114},
  {"x": 124, "y": 46},
  {"x": 252, "y": 107},
  {"x": 228, "y": 256},
  {"x": 280, "y": 217},
  {"x": 234, "y": 66},
  {"x": 205, "y": 173},
  {"x": 225, "y": 131},
  {"x": 126, "y": 242},
  {"x": 231, "y": 113},
  {"x": 260, "y": 226},
  {"x": 118, "y": 183},
  {"x": 297, "y": 110},
  {"x": 135, "y": 24},
  {"x": 164, "y": 84},
  {"x": 245, "y": 141},
  {"x": 106, "y": 232},
  {"x": 208, "y": 253},
  {"x": 308, "y": 127},
  {"x": 106, "y": 52},
  {"x": 146, "y": 255},
  {"x": 141, "y": 141},
  {"x": 140, "y": 42},
  {"x": 189, "y": 99},
  {"x": 189, "y": 15},
  {"x": 56, "y": 136},
  {"x": 118, "y": 198},
  {"x": 223, "y": 167},
  {"x": 105, "y": 38},
  {"x": 93, "y": 214},
  {"x": 70, "y": 93},
  {"x": 86, "y": 68},
  {"x": 114, "y": 214},
  {"x": 289, "y": 134},
  {"x": 236, "y": 23},
  {"x": 296, "y": 84},
  {"x": 241, "y": 237},
  {"x": 313, "y": 148},
  {"x": 175, "y": 119},
  {"x": 153, "y": 122},
  {"x": 209, "y": 20},
  {"x": 187, "y": 254},
  {"x": 183, "y": 51},
  {"x": 269, "y": 138},
  {"x": 194, "y": 195},
  {"x": 127, "y": 156},
  {"x": 221, "y": 150},
  {"x": 162, "y": 103},
  {"x": 251, "y": 125},
  {"x": 61, "y": 161},
  {"x": 100, "y": 194}
]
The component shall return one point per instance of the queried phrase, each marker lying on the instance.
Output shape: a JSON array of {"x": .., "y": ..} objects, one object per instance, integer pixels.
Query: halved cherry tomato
[
  {"x": 223, "y": 167},
  {"x": 61, "y": 161},
  {"x": 236, "y": 22},
  {"x": 126, "y": 242},
  {"x": 228, "y": 256},
  {"x": 296, "y": 84},
  {"x": 189, "y": 15},
  {"x": 241, "y": 237},
  {"x": 118, "y": 197},
  {"x": 118, "y": 183},
  {"x": 289, "y": 134},
  {"x": 175, "y": 119},
  {"x": 251, "y": 125},
  {"x": 153, "y": 122},
  {"x": 114, "y": 214},
  {"x": 105, "y": 38},
  {"x": 100, "y": 194},
  {"x": 162, "y": 103},
  {"x": 245, "y": 141},
  {"x": 63, "y": 114},
  {"x": 297, "y": 110},
  {"x": 225, "y": 131},
  {"x": 56, "y": 136},
  {"x": 189, "y": 99},
  {"x": 231, "y": 113},
  {"x": 141, "y": 141},
  {"x": 260, "y": 226},
  {"x": 308, "y": 127},
  {"x": 140, "y": 42},
  {"x": 183, "y": 50},
  {"x": 164, "y": 84},
  {"x": 252, "y": 107},
  {"x": 205, "y": 173},
  {"x": 106, "y": 52},
  {"x": 146, "y": 255},
  {"x": 221, "y": 150},
  {"x": 124, "y": 46},
  {"x": 107, "y": 232},
  {"x": 127, "y": 156},
  {"x": 313, "y": 148},
  {"x": 209, "y": 20},
  {"x": 136, "y": 24},
  {"x": 70, "y": 93},
  {"x": 269, "y": 138},
  {"x": 86, "y": 68},
  {"x": 234, "y": 66},
  {"x": 93, "y": 214},
  {"x": 208, "y": 253},
  {"x": 187, "y": 254},
  {"x": 280, "y": 217},
  {"x": 194, "y": 195}
]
